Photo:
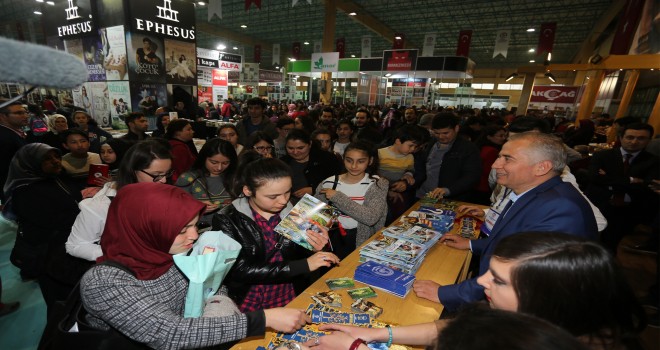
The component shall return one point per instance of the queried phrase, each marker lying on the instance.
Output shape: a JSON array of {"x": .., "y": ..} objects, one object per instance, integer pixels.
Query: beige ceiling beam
[
  {"x": 589, "y": 44},
  {"x": 370, "y": 22},
  {"x": 611, "y": 62}
]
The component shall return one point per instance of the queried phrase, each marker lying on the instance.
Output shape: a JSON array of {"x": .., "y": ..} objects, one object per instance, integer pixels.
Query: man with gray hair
[{"x": 529, "y": 166}]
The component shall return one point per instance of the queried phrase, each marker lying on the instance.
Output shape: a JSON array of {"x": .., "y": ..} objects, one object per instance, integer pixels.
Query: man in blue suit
[{"x": 529, "y": 166}]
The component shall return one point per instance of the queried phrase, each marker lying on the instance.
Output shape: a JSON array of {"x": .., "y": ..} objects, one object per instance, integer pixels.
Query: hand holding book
[{"x": 321, "y": 259}]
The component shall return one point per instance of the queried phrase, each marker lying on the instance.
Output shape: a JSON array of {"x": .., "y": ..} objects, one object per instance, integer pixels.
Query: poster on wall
[
  {"x": 74, "y": 47},
  {"x": 204, "y": 76},
  {"x": 145, "y": 62},
  {"x": 147, "y": 97},
  {"x": 204, "y": 93},
  {"x": 114, "y": 44},
  {"x": 94, "y": 57},
  {"x": 220, "y": 93},
  {"x": 100, "y": 110},
  {"x": 180, "y": 63},
  {"x": 120, "y": 99}
]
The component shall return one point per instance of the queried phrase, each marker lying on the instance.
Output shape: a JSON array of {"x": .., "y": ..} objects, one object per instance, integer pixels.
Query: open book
[{"x": 295, "y": 225}]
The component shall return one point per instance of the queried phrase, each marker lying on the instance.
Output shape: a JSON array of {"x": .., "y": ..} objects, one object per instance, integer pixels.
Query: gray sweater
[
  {"x": 151, "y": 311},
  {"x": 370, "y": 215}
]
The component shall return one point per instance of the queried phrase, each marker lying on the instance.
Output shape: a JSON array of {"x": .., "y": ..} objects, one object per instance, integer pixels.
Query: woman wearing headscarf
[
  {"x": 57, "y": 124},
  {"x": 147, "y": 224},
  {"x": 34, "y": 179}
]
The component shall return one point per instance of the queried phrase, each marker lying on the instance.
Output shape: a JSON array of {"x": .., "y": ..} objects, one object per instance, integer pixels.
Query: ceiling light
[
  {"x": 353, "y": 56},
  {"x": 37, "y": 12},
  {"x": 551, "y": 77},
  {"x": 352, "y": 14},
  {"x": 221, "y": 47},
  {"x": 50, "y": 3},
  {"x": 292, "y": 59},
  {"x": 549, "y": 56},
  {"x": 201, "y": 3},
  {"x": 510, "y": 77},
  {"x": 397, "y": 37},
  {"x": 40, "y": 0},
  {"x": 652, "y": 69},
  {"x": 306, "y": 43},
  {"x": 243, "y": 26},
  {"x": 388, "y": 74},
  {"x": 620, "y": 70},
  {"x": 587, "y": 77},
  {"x": 531, "y": 50},
  {"x": 532, "y": 61},
  {"x": 531, "y": 30},
  {"x": 235, "y": 47}
]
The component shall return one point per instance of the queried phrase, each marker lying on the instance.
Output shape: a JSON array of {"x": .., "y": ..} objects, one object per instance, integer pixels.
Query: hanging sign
[
  {"x": 69, "y": 19},
  {"x": 325, "y": 62},
  {"x": 167, "y": 18},
  {"x": 399, "y": 60}
]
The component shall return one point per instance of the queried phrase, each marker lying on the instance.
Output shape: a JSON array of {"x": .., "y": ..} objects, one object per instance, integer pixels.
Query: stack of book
[
  {"x": 384, "y": 278},
  {"x": 399, "y": 254},
  {"x": 437, "y": 219}
]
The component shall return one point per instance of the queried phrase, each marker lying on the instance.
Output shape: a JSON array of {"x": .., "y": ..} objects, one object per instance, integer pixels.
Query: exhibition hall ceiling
[{"x": 581, "y": 24}]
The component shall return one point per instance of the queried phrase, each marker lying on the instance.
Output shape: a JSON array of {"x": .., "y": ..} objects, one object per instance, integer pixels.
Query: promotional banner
[
  {"x": 163, "y": 18},
  {"x": 114, "y": 44},
  {"x": 74, "y": 47},
  {"x": 250, "y": 74},
  {"x": 398, "y": 43},
  {"x": 180, "y": 64},
  {"x": 340, "y": 48},
  {"x": 100, "y": 102},
  {"x": 220, "y": 93},
  {"x": 429, "y": 44},
  {"x": 366, "y": 47},
  {"x": 546, "y": 38},
  {"x": 69, "y": 19},
  {"x": 219, "y": 77},
  {"x": 295, "y": 50},
  {"x": 276, "y": 54},
  {"x": 145, "y": 61},
  {"x": 120, "y": 98},
  {"x": 626, "y": 27},
  {"x": 502, "y": 39},
  {"x": 554, "y": 94},
  {"x": 399, "y": 60},
  {"x": 269, "y": 75},
  {"x": 257, "y": 53},
  {"x": 205, "y": 93},
  {"x": 325, "y": 62},
  {"x": 146, "y": 97},
  {"x": 205, "y": 76},
  {"x": 93, "y": 56},
  {"x": 464, "y": 40}
]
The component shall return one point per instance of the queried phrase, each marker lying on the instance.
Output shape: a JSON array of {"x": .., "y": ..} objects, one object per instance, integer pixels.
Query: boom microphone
[{"x": 39, "y": 65}]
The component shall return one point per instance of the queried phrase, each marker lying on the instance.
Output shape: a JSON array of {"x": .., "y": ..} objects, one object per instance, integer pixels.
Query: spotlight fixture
[
  {"x": 235, "y": 47},
  {"x": 388, "y": 74},
  {"x": 306, "y": 43},
  {"x": 551, "y": 77},
  {"x": 532, "y": 61},
  {"x": 352, "y": 14},
  {"x": 201, "y": 3},
  {"x": 292, "y": 59},
  {"x": 511, "y": 77},
  {"x": 50, "y": 3},
  {"x": 353, "y": 56},
  {"x": 531, "y": 50},
  {"x": 397, "y": 37},
  {"x": 549, "y": 56},
  {"x": 37, "y": 12},
  {"x": 243, "y": 26},
  {"x": 221, "y": 47},
  {"x": 40, "y": 0},
  {"x": 529, "y": 30}
]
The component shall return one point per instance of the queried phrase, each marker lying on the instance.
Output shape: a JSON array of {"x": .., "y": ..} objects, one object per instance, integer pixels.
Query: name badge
[{"x": 489, "y": 221}]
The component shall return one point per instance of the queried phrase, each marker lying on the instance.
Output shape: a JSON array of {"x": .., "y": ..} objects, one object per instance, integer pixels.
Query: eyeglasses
[
  {"x": 159, "y": 177},
  {"x": 263, "y": 148}
]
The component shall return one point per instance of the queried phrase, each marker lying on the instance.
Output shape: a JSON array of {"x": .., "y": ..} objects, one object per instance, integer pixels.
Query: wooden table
[{"x": 442, "y": 264}]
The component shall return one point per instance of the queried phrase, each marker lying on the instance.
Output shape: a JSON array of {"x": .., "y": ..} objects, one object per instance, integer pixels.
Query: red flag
[
  {"x": 257, "y": 53},
  {"x": 625, "y": 29},
  {"x": 546, "y": 38},
  {"x": 398, "y": 43},
  {"x": 249, "y": 2},
  {"x": 296, "y": 50},
  {"x": 464, "y": 40},
  {"x": 341, "y": 47}
]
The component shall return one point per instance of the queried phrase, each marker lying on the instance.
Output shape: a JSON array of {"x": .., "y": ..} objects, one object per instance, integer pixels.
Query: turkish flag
[
  {"x": 296, "y": 50},
  {"x": 249, "y": 2},
  {"x": 546, "y": 38},
  {"x": 625, "y": 29},
  {"x": 257, "y": 53},
  {"x": 341, "y": 47},
  {"x": 464, "y": 40},
  {"x": 398, "y": 43}
]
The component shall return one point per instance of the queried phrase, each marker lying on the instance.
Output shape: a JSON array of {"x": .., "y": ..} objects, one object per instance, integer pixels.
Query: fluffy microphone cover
[{"x": 40, "y": 65}]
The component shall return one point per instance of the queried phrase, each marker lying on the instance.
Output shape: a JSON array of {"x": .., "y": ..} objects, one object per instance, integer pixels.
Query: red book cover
[{"x": 96, "y": 171}]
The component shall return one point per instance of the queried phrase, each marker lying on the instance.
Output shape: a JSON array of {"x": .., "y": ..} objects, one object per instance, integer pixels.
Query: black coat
[{"x": 252, "y": 266}]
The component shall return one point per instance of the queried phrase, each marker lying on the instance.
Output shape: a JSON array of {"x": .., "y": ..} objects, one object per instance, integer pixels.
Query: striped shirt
[{"x": 354, "y": 191}]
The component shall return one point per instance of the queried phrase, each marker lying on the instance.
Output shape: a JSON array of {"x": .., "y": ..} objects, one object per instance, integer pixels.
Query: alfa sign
[
  {"x": 217, "y": 59},
  {"x": 325, "y": 62},
  {"x": 554, "y": 94}
]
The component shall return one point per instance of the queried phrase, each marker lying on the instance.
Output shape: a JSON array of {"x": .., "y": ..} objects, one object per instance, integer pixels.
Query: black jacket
[
  {"x": 252, "y": 266},
  {"x": 321, "y": 165}
]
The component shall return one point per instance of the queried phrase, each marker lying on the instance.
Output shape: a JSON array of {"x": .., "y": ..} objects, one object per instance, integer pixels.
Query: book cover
[{"x": 295, "y": 225}]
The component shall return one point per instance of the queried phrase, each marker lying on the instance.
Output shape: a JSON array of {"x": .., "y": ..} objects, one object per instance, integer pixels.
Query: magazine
[{"x": 309, "y": 209}]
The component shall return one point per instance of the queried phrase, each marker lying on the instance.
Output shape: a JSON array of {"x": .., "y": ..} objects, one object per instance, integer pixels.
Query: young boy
[
  {"x": 77, "y": 161},
  {"x": 283, "y": 126},
  {"x": 397, "y": 165},
  {"x": 344, "y": 134}
]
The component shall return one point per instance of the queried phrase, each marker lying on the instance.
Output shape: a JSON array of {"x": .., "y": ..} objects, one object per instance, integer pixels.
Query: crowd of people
[{"x": 546, "y": 253}]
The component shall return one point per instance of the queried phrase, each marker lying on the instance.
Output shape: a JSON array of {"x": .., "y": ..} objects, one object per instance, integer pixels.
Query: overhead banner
[
  {"x": 276, "y": 54},
  {"x": 429, "y": 44},
  {"x": 69, "y": 19},
  {"x": 554, "y": 94},
  {"x": 115, "y": 59},
  {"x": 546, "y": 38},
  {"x": 325, "y": 62},
  {"x": 341, "y": 47},
  {"x": 626, "y": 27},
  {"x": 269, "y": 75},
  {"x": 318, "y": 46},
  {"x": 399, "y": 60},
  {"x": 502, "y": 42},
  {"x": 165, "y": 18},
  {"x": 366, "y": 47},
  {"x": 464, "y": 40},
  {"x": 215, "y": 9},
  {"x": 216, "y": 59}
]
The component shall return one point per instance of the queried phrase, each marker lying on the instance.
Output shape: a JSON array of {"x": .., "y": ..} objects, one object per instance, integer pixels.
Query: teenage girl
[{"x": 359, "y": 194}]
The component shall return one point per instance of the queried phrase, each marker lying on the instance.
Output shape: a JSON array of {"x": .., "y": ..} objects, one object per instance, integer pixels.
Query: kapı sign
[
  {"x": 325, "y": 62},
  {"x": 554, "y": 94},
  {"x": 182, "y": 16}
]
